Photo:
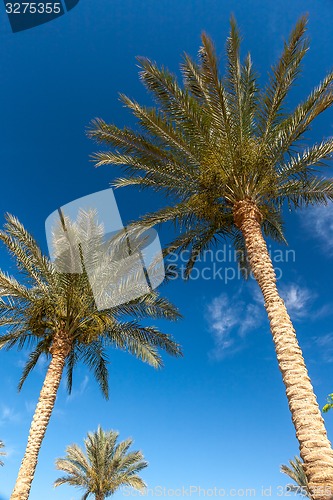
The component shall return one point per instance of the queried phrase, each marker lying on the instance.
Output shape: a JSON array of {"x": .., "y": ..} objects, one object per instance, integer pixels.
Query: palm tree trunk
[
  {"x": 99, "y": 496},
  {"x": 59, "y": 351},
  {"x": 315, "y": 448}
]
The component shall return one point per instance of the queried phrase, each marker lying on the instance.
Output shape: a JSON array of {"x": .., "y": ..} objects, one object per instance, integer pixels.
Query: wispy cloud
[
  {"x": 324, "y": 343},
  {"x": 230, "y": 320},
  {"x": 319, "y": 224},
  {"x": 41, "y": 364},
  {"x": 301, "y": 303},
  {"x": 30, "y": 406},
  {"x": 9, "y": 415},
  {"x": 10, "y": 451},
  {"x": 256, "y": 293},
  {"x": 79, "y": 392},
  {"x": 298, "y": 300}
]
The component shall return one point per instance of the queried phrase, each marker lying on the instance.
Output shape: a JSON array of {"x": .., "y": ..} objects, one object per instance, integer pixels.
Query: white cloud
[
  {"x": 319, "y": 224},
  {"x": 8, "y": 415},
  {"x": 79, "y": 392},
  {"x": 30, "y": 406},
  {"x": 41, "y": 364},
  {"x": 325, "y": 340},
  {"x": 325, "y": 346},
  {"x": 10, "y": 451},
  {"x": 252, "y": 318},
  {"x": 298, "y": 300},
  {"x": 230, "y": 320},
  {"x": 256, "y": 293}
]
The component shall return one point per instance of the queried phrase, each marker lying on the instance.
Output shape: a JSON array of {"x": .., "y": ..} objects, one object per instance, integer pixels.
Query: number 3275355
[{"x": 33, "y": 8}]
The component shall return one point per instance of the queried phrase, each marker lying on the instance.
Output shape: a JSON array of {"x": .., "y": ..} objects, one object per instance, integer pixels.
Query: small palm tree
[
  {"x": 297, "y": 474},
  {"x": 55, "y": 315},
  {"x": 104, "y": 467},
  {"x": 229, "y": 156},
  {"x": 2, "y": 453}
]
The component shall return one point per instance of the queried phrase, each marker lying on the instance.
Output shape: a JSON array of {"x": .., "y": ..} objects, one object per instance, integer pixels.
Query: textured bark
[
  {"x": 59, "y": 351},
  {"x": 315, "y": 448},
  {"x": 99, "y": 496}
]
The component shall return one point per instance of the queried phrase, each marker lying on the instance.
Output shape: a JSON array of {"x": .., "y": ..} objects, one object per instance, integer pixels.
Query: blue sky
[{"x": 219, "y": 416}]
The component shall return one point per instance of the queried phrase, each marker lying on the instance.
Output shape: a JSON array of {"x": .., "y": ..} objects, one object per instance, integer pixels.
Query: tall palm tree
[
  {"x": 297, "y": 474},
  {"x": 104, "y": 467},
  {"x": 229, "y": 156},
  {"x": 2, "y": 453},
  {"x": 54, "y": 314}
]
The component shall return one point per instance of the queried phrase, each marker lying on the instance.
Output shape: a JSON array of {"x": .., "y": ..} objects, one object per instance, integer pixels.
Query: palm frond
[
  {"x": 41, "y": 348},
  {"x": 95, "y": 357},
  {"x": 312, "y": 191},
  {"x": 283, "y": 76}
]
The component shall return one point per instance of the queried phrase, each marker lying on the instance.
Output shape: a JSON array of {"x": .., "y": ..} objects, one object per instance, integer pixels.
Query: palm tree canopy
[
  {"x": 218, "y": 140},
  {"x": 104, "y": 467},
  {"x": 297, "y": 474},
  {"x": 46, "y": 301}
]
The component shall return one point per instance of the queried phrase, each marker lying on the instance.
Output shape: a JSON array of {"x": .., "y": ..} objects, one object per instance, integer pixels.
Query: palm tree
[
  {"x": 297, "y": 474},
  {"x": 2, "y": 453},
  {"x": 229, "y": 156},
  {"x": 104, "y": 467},
  {"x": 55, "y": 315}
]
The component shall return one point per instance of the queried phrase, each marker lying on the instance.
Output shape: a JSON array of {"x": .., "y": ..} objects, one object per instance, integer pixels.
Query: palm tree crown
[
  {"x": 48, "y": 301},
  {"x": 104, "y": 467},
  {"x": 216, "y": 142}
]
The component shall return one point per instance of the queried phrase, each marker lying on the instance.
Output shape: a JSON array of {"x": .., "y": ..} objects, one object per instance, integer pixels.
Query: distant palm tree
[
  {"x": 229, "y": 156},
  {"x": 297, "y": 474},
  {"x": 2, "y": 453},
  {"x": 104, "y": 467},
  {"x": 54, "y": 314}
]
